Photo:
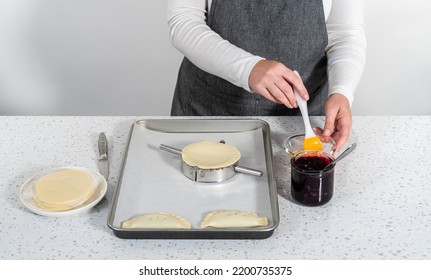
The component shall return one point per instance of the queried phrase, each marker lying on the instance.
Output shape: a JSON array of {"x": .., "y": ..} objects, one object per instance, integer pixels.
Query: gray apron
[{"x": 290, "y": 31}]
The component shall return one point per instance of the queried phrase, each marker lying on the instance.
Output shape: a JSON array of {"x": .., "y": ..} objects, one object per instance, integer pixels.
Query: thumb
[{"x": 329, "y": 123}]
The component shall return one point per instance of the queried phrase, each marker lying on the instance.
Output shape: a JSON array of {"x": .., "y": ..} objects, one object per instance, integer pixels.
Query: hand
[
  {"x": 338, "y": 120},
  {"x": 275, "y": 82}
]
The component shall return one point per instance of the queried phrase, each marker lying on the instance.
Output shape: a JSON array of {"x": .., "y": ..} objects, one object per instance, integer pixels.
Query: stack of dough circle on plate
[
  {"x": 64, "y": 189},
  {"x": 210, "y": 155}
]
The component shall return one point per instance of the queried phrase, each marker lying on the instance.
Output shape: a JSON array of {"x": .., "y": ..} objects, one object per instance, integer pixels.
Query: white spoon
[{"x": 311, "y": 141}]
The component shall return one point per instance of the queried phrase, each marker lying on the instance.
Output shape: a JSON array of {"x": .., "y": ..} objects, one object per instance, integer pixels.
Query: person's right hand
[{"x": 274, "y": 81}]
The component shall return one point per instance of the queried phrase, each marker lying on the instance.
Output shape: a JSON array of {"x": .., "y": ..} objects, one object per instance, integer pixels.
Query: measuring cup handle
[{"x": 249, "y": 171}]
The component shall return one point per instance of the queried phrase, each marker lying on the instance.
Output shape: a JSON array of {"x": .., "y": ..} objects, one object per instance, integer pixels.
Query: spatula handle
[{"x": 302, "y": 104}]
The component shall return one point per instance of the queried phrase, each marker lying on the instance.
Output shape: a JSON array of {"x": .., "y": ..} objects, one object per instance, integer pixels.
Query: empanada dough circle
[
  {"x": 233, "y": 219},
  {"x": 157, "y": 220},
  {"x": 63, "y": 189},
  {"x": 210, "y": 155}
]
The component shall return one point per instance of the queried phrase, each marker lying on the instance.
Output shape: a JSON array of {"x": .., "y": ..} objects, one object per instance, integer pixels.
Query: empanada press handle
[
  {"x": 247, "y": 170},
  {"x": 170, "y": 149},
  {"x": 239, "y": 169}
]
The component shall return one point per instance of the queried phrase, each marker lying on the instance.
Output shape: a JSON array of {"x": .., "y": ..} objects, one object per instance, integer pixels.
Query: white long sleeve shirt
[{"x": 207, "y": 50}]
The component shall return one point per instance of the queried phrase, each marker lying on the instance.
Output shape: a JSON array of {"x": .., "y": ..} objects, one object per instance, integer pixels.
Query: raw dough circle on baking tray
[{"x": 210, "y": 155}]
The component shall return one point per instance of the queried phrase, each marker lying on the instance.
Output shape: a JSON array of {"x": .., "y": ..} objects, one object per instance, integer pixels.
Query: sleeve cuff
[
  {"x": 343, "y": 91},
  {"x": 249, "y": 67}
]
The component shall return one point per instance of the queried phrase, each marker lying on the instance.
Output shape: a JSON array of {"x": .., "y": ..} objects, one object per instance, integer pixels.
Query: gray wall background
[{"x": 113, "y": 57}]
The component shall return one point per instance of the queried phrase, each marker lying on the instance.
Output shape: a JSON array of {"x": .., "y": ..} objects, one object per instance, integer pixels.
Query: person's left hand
[{"x": 338, "y": 120}]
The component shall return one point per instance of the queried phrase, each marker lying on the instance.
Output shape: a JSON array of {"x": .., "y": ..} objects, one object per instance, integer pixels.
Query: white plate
[{"x": 26, "y": 193}]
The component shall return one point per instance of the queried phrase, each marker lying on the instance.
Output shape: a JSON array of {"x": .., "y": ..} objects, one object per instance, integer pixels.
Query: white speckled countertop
[{"x": 381, "y": 207}]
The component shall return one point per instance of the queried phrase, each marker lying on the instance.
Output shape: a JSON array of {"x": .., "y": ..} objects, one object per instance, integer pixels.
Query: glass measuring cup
[
  {"x": 293, "y": 144},
  {"x": 310, "y": 184}
]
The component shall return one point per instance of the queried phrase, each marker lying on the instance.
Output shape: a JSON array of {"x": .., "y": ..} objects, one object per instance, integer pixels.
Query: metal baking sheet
[{"x": 151, "y": 179}]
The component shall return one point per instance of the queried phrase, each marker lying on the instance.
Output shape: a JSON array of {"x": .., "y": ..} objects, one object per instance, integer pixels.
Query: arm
[
  {"x": 346, "y": 46},
  {"x": 346, "y": 60},
  {"x": 207, "y": 50}
]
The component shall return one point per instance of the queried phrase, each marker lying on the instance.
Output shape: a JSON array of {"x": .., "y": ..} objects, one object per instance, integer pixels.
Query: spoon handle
[
  {"x": 346, "y": 152},
  {"x": 340, "y": 157}
]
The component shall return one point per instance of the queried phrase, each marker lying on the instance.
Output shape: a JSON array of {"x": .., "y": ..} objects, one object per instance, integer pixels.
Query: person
[{"x": 240, "y": 57}]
